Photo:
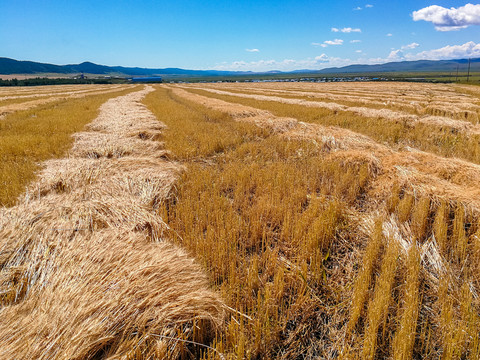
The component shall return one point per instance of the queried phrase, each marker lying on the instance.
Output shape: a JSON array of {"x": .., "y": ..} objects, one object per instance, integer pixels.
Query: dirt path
[{"x": 83, "y": 269}]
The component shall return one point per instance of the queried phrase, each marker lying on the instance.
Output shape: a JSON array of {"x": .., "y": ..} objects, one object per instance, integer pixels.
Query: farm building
[{"x": 149, "y": 79}]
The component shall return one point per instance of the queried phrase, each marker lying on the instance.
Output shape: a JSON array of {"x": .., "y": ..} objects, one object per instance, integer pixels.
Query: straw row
[{"x": 84, "y": 273}]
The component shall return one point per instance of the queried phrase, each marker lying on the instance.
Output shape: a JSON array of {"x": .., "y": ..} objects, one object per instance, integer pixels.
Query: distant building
[{"x": 150, "y": 79}]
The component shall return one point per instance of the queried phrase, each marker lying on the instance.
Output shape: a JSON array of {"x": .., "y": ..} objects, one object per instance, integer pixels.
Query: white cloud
[
  {"x": 469, "y": 49},
  {"x": 358, "y": 51},
  {"x": 389, "y": 34},
  {"x": 328, "y": 42},
  {"x": 410, "y": 46},
  {"x": 355, "y": 41},
  {"x": 334, "y": 42},
  {"x": 318, "y": 62},
  {"x": 358, "y": 8},
  {"x": 449, "y": 28},
  {"x": 322, "y": 58},
  {"x": 395, "y": 55},
  {"x": 252, "y": 50},
  {"x": 346, "y": 30},
  {"x": 449, "y": 19}
]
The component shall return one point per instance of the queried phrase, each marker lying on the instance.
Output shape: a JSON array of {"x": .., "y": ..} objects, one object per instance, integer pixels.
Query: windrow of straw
[
  {"x": 446, "y": 142},
  {"x": 41, "y": 91},
  {"x": 265, "y": 215},
  {"x": 414, "y": 98},
  {"x": 29, "y": 137},
  {"x": 410, "y": 232},
  {"x": 84, "y": 273},
  {"x": 382, "y": 113},
  {"x": 465, "y": 110},
  {"x": 49, "y": 99},
  {"x": 425, "y": 173}
]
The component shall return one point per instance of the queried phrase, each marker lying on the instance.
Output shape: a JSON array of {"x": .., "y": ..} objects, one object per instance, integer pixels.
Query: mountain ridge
[{"x": 10, "y": 66}]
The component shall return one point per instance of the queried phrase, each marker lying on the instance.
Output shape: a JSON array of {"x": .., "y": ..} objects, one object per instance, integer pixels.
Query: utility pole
[
  {"x": 468, "y": 73},
  {"x": 456, "y": 78}
]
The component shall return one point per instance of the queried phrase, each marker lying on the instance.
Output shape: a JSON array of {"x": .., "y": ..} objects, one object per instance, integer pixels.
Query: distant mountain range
[
  {"x": 11, "y": 66},
  {"x": 409, "y": 66}
]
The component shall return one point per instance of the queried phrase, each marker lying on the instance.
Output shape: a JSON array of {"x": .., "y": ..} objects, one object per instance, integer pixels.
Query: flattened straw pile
[
  {"x": 29, "y": 104},
  {"x": 384, "y": 113},
  {"x": 83, "y": 271},
  {"x": 421, "y": 172}
]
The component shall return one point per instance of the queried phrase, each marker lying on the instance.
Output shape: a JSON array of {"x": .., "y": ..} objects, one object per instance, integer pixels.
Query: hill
[
  {"x": 10, "y": 66},
  {"x": 408, "y": 66}
]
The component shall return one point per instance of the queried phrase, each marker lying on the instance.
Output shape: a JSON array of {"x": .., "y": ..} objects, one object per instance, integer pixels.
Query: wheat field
[{"x": 241, "y": 221}]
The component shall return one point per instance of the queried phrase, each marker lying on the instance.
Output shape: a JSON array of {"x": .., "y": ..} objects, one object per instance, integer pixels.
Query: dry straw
[
  {"x": 407, "y": 281},
  {"x": 84, "y": 272}
]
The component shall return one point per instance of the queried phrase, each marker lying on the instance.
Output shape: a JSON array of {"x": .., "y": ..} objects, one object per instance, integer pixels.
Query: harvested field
[
  {"x": 306, "y": 206},
  {"x": 445, "y": 137},
  {"x": 84, "y": 271},
  {"x": 452, "y": 101},
  {"x": 251, "y": 221},
  {"x": 12, "y": 103},
  {"x": 30, "y": 136}
]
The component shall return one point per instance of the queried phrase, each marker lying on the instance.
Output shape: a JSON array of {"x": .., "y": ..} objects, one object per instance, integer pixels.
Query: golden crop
[{"x": 252, "y": 221}]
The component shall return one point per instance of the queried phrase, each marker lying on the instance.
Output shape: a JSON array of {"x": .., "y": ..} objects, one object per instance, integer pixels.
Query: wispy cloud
[
  {"x": 322, "y": 58},
  {"x": 346, "y": 30},
  {"x": 396, "y": 55},
  {"x": 399, "y": 54},
  {"x": 449, "y": 19},
  {"x": 334, "y": 42},
  {"x": 328, "y": 42},
  {"x": 389, "y": 34},
  {"x": 410, "y": 46},
  {"x": 318, "y": 62},
  {"x": 469, "y": 49},
  {"x": 367, "y": 6},
  {"x": 355, "y": 41},
  {"x": 252, "y": 50}
]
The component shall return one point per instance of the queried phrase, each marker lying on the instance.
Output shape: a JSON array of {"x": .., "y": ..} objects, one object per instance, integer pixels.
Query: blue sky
[{"x": 237, "y": 35}]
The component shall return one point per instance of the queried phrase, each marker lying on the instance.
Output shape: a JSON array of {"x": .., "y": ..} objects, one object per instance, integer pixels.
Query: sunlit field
[
  {"x": 240, "y": 221},
  {"x": 37, "y": 124}
]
